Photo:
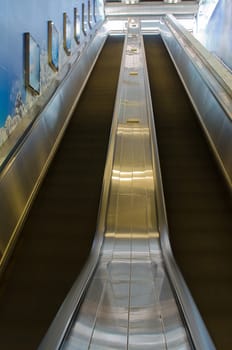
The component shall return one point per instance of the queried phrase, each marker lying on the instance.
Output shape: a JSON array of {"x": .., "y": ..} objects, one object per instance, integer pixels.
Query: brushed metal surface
[{"x": 129, "y": 303}]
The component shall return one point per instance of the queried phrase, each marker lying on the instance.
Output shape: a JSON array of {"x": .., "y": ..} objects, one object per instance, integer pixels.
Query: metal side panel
[
  {"x": 211, "y": 97},
  {"x": 19, "y": 179},
  {"x": 22, "y": 175}
]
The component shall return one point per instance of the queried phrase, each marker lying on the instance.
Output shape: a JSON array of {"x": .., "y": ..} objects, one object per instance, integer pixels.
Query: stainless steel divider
[{"x": 129, "y": 303}]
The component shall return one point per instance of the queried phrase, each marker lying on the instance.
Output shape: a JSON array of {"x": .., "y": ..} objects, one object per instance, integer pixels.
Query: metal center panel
[{"x": 129, "y": 303}]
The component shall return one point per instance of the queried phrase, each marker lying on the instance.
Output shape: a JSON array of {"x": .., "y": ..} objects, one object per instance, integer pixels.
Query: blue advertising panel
[
  {"x": 53, "y": 46},
  {"x": 32, "y": 64},
  {"x": 67, "y": 34},
  {"x": 77, "y": 25}
]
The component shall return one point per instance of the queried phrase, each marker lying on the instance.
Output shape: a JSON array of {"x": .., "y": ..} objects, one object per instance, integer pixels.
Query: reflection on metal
[
  {"x": 172, "y": 1},
  {"x": 133, "y": 120},
  {"x": 132, "y": 235},
  {"x": 129, "y": 303},
  {"x": 200, "y": 71}
]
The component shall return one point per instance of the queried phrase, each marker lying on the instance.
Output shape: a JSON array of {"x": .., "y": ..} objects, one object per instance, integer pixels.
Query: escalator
[
  {"x": 197, "y": 200},
  {"x": 134, "y": 298},
  {"x": 58, "y": 232},
  {"x": 131, "y": 301}
]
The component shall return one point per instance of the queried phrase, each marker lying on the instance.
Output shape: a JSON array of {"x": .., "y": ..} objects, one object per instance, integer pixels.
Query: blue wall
[
  {"x": 16, "y": 18},
  {"x": 220, "y": 28},
  {"x": 216, "y": 32}
]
